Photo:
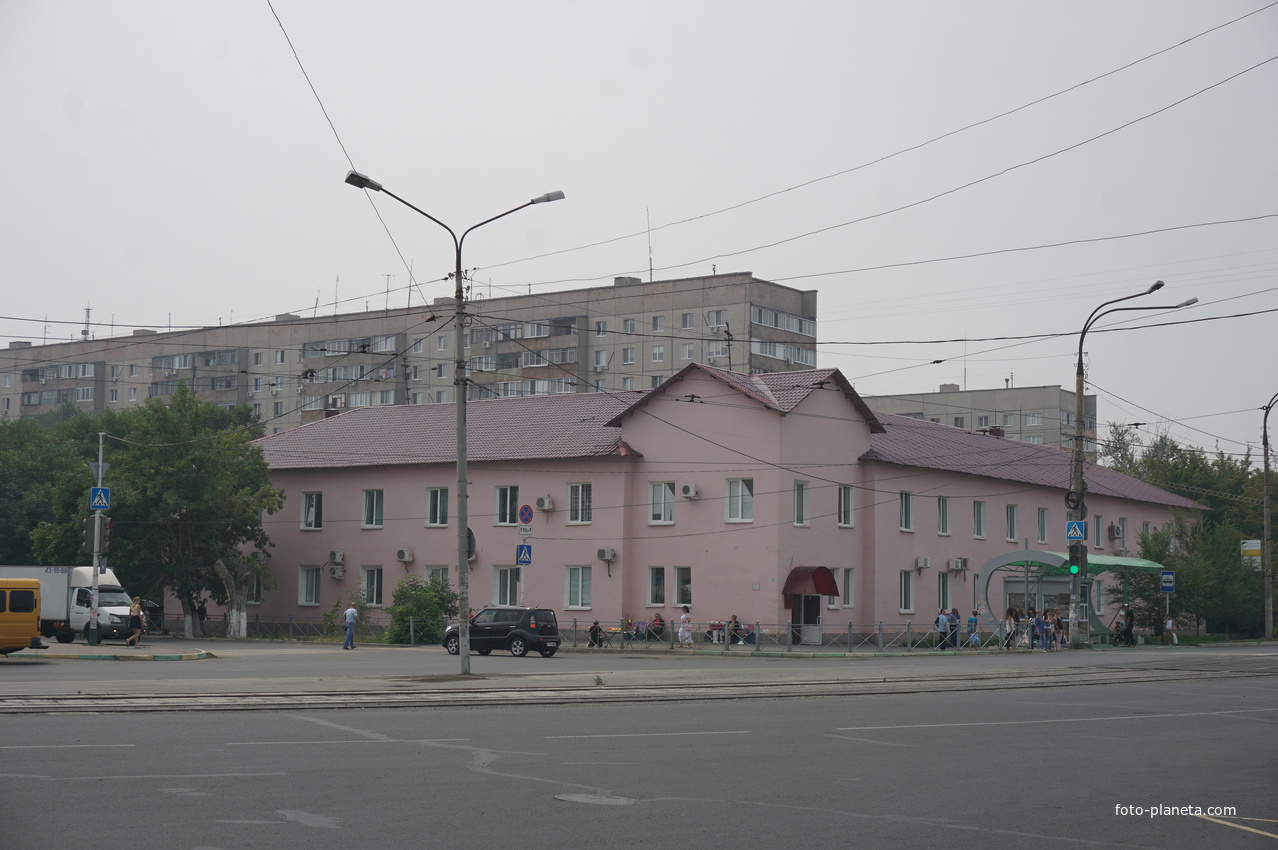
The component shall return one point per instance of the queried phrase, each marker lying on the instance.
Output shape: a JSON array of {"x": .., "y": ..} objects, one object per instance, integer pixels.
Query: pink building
[{"x": 779, "y": 497}]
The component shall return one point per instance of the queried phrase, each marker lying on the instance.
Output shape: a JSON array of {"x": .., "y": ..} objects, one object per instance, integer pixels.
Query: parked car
[{"x": 506, "y": 627}]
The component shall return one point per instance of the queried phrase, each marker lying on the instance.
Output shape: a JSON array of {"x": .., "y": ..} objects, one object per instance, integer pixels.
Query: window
[
  {"x": 1098, "y": 531},
  {"x": 661, "y": 502},
  {"x": 578, "y": 587},
  {"x": 255, "y": 591},
  {"x": 507, "y": 506},
  {"x": 849, "y": 587},
  {"x": 580, "y": 503},
  {"x": 277, "y": 409},
  {"x": 658, "y": 324},
  {"x": 683, "y": 585},
  {"x": 943, "y": 590},
  {"x": 308, "y": 586},
  {"x": 113, "y": 396},
  {"x": 628, "y": 326},
  {"x": 628, "y": 384},
  {"x": 907, "y": 511},
  {"x": 654, "y": 381},
  {"x": 1035, "y": 439},
  {"x": 716, "y": 318},
  {"x": 601, "y": 328},
  {"x": 84, "y": 393},
  {"x": 312, "y": 510},
  {"x": 943, "y": 515},
  {"x": 658, "y": 354},
  {"x": 740, "y": 499},
  {"x": 506, "y": 586},
  {"x": 627, "y": 356},
  {"x": 437, "y": 573},
  {"x": 1145, "y": 528},
  {"x": 1042, "y": 525},
  {"x": 1033, "y": 419},
  {"x": 372, "y": 584},
  {"x": 601, "y": 358},
  {"x": 441, "y": 343},
  {"x": 656, "y": 585},
  {"x": 1009, "y": 420},
  {"x": 372, "y": 509},
  {"x": 1013, "y": 532},
  {"x": 982, "y": 422},
  {"x": 802, "y": 513},
  {"x": 441, "y": 396},
  {"x": 687, "y": 350},
  {"x": 959, "y": 421},
  {"x": 846, "y": 505},
  {"x": 978, "y": 520},
  {"x": 1122, "y": 533},
  {"x": 907, "y": 592},
  {"x": 437, "y": 506},
  {"x": 686, "y": 321}
]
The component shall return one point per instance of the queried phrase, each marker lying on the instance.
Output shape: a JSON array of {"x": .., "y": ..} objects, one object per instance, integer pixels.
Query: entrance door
[{"x": 810, "y": 631}]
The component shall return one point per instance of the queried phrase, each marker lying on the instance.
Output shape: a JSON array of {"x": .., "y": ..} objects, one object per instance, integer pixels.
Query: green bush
[{"x": 426, "y": 603}]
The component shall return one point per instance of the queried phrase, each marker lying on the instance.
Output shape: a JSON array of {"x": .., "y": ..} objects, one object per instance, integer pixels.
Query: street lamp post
[
  {"x": 1266, "y": 551},
  {"x": 360, "y": 181},
  {"x": 1075, "y": 500}
]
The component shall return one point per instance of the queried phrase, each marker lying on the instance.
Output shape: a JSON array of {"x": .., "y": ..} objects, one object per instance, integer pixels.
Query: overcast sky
[{"x": 169, "y": 165}]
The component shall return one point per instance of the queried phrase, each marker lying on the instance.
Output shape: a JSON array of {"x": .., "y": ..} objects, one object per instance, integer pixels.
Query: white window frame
[
  {"x": 436, "y": 507},
  {"x": 802, "y": 504},
  {"x": 601, "y": 328},
  {"x": 846, "y": 509},
  {"x": 312, "y": 518},
  {"x": 978, "y": 520},
  {"x": 661, "y": 502},
  {"x": 849, "y": 587},
  {"x": 581, "y": 509},
  {"x": 687, "y": 321},
  {"x": 683, "y": 585},
  {"x": 739, "y": 505},
  {"x": 506, "y": 504},
  {"x": 656, "y": 582},
  {"x": 905, "y": 592},
  {"x": 658, "y": 354},
  {"x": 1012, "y": 513},
  {"x": 370, "y": 582},
  {"x": 1042, "y": 525},
  {"x": 506, "y": 585},
  {"x": 373, "y": 514},
  {"x": 577, "y": 589},
  {"x": 907, "y": 510},
  {"x": 943, "y": 590},
  {"x": 627, "y": 357},
  {"x": 943, "y": 516},
  {"x": 308, "y": 586}
]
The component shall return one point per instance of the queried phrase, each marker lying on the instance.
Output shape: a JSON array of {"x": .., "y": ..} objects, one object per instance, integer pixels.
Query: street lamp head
[
  {"x": 359, "y": 181},
  {"x": 543, "y": 199},
  {"x": 1187, "y": 303},
  {"x": 1157, "y": 285}
]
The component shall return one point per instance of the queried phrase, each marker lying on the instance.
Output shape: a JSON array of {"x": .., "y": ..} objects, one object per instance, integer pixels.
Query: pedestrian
[
  {"x": 1011, "y": 625},
  {"x": 973, "y": 632},
  {"x": 203, "y": 614},
  {"x": 135, "y": 623},
  {"x": 685, "y": 628},
  {"x": 954, "y": 624},
  {"x": 1169, "y": 632},
  {"x": 943, "y": 629},
  {"x": 1129, "y": 625},
  {"x": 351, "y": 616},
  {"x": 595, "y": 634}
]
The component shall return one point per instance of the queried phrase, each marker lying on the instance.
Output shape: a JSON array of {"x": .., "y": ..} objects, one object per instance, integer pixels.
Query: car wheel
[
  {"x": 66, "y": 637},
  {"x": 546, "y": 653},
  {"x": 452, "y": 644},
  {"x": 483, "y": 651},
  {"x": 518, "y": 647}
]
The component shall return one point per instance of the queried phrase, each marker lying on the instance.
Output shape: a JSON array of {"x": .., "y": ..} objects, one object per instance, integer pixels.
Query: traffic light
[
  {"x": 1075, "y": 559},
  {"x": 88, "y": 533},
  {"x": 106, "y": 534}
]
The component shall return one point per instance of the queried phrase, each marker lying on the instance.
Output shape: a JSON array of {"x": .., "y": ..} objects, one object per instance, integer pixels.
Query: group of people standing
[
  {"x": 1045, "y": 630},
  {"x": 947, "y": 624}
]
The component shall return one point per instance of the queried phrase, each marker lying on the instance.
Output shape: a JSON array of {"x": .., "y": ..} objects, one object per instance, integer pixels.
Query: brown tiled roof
[
  {"x": 929, "y": 445},
  {"x": 570, "y": 425}
]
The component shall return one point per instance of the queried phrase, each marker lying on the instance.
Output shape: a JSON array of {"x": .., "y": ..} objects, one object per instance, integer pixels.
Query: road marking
[
  {"x": 649, "y": 735},
  {"x": 868, "y": 741},
  {"x": 1058, "y": 720},
  {"x": 326, "y": 743},
  {"x": 1237, "y": 826},
  {"x": 61, "y": 746}
]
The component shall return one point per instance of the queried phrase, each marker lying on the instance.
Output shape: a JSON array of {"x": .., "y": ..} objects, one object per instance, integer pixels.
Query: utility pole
[{"x": 99, "y": 470}]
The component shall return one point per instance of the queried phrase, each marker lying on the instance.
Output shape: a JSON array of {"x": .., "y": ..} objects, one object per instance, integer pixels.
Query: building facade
[
  {"x": 628, "y": 336},
  {"x": 1040, "y": 415},
  {"x": 780, "y": 497}
]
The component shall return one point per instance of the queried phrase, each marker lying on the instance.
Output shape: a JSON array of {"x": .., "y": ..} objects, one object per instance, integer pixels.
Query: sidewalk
[{"x": 160, "y": 648}]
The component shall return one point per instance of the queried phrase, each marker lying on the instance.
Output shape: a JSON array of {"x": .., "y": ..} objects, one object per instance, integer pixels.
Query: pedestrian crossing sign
[
  {"x": 523, "y": 554},
  {"x": 99, "y": 498},
  {"x": 1076, "y": 529}
]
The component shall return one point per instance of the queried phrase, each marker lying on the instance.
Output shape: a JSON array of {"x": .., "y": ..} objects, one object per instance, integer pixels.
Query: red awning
[{"x": 818, "y": 580}]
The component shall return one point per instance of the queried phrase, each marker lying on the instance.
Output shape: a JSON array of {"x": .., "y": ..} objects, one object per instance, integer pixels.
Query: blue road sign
[
  {"x": 525, "y": 515},
  {"x": 1168, "y": 581},
  {"x": 99, "y": 498},
  {"x": 1076, "y": 529},
  {"x": 523, "y": 554}
]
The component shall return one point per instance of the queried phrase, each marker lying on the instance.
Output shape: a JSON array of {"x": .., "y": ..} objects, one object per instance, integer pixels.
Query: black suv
[{"x": 516, "y": 629}]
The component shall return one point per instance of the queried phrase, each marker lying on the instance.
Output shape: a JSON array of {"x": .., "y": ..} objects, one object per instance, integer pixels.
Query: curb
[{"x": 197, "y": 655}]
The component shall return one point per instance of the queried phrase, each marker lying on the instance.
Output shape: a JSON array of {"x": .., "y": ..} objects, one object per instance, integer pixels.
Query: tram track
[{"x": 424, "y": 692}]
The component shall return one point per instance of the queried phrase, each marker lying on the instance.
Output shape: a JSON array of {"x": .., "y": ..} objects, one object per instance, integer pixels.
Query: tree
[
  {"x": 31, "y": 459},
  {"x": 426, "y": 603},
  {"x": 188, "y": 489}
]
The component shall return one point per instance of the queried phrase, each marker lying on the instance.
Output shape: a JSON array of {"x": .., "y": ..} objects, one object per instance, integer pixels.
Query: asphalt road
[{"x": 923, "y": 761}]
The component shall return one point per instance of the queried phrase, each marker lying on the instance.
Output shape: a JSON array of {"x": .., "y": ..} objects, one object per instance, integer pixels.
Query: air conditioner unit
[
  {"x": 251, "y": 394},
  {"x": 404, "y": 555},
  {"x": 1115, "y": 532},
  {"x": 599, "y": 368},
  {"x": 336, "y": 556},
  {"x": 545, "y": 503},
  {"x": 257, "y": 556},
  {"x": 922, "y": 563},
  {"x": 688, "y": 491},
  {"x": 299, "y": 388},
  {"x": 337, "y": 571},
  {"x": 958, "y": 564},
  {"x": 606, "y": 554},
  {"x": 488, "y": 345},
  {"x": 274, "y": 391},
  {"x": 712, "y": 360}
]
